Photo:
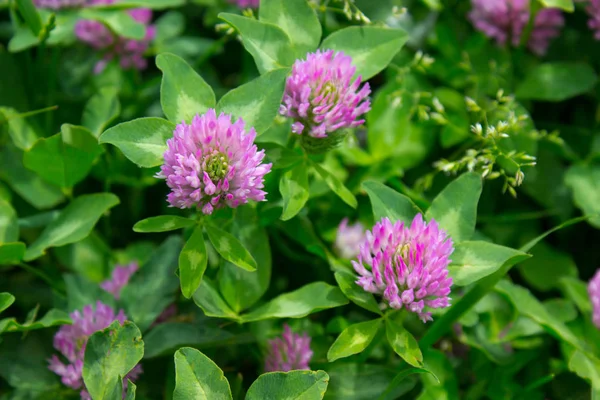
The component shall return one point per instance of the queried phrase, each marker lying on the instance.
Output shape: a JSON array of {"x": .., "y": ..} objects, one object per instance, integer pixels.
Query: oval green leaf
[
  {"x": 198, "y": 377},
  {"x": 193, "y": 260},
  {"x": 354, "y": 339},
  {"x": 336, "y": 185},
  {"x": 163, "y": 223},
  {"x": 386, "y": 202},
  {"x": 294, "y": 190},
  {"x": 403, "y": 343},
  {"x": 293, "y": 385},
  {"x": 557, "y": 81},
  {"x": 356, "y": 294},
  {"x": 230, "y": 248}
]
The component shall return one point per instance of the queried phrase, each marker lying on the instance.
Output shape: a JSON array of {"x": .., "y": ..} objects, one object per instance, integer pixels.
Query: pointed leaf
[
  {"x": 403, "y": 343},
  {"x": 198, "y": 377},
  {"x": 336, "y": 185},
  {"x": 163, "y": 223},
  {"x": 230, "y": 248},
  {"x": 101, "y": 109},
  {"x": 6, "y": 299},
  {"x": 207, "y": 297},
  {"x": 347, "y": 283},
  {"x": 354, "y": 339},
  {"x": 192, "y": 263},
  {"x": 386, "y": 202},
  {"x": 294, "y": 190}
]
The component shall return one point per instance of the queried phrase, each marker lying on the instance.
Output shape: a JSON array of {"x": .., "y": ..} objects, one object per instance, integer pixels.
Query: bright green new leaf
[
  {"x": 268, "y": 44},
  {"x": 183, "y": 93},
  {"x": 403, "y": 343},
  {"x": 65, "y": 158},
  {"x": 557, "y": 81},
  {"x": 74, "y": 223},
  {"x": 193, "y": 260},
  {"x": 6, "y": 299},
  {"x": 230, "y": 248},
  {"x": 308, "y": 299},
  {"x": 336, "y": 185},
  {"x": 293, "y": 385},
  {"x": 566, "y": 5},
  {"x": 109, "y": 355},
  {"x": 372, "y": 48},
  {"x": 101, "y": 109},
  {"x": 455, "y": 208},
  {"x": 296, "y": 18},
  {"x": 472, "y": 261},
  {"x": 354, "y": 339},
  {"x": 386, "y": 202},
  {"x": 142, "y": 140},
  {"x": 258, "y": 112},
  {"x": 9, "y": 228},
  {"x": 294, "y": 190},
  {"x": 198, "y": 377},
  {"x": 163, "y": 223},
  {"x": 356, "y": 294},
  {"x": 207, "y": 297}
]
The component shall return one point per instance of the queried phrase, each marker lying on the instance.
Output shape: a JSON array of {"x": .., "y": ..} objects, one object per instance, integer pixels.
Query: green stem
[{"x": 30, "y": 113}]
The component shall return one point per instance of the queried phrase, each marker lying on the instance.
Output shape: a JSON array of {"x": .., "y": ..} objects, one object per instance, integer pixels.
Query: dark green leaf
[
  {"x": 52, "y": 318},
  {"x": 9, "y": 228},
  {"x": 354, "y": 339},
  {"x": 386, "y": 202},
  {"x": 198, "y": 377},
  {"x": 163, "y": 223},
  {"x": 207, "y": 297},
  {"x": 584, "y": 181},
  {"x": 355, "y": 293},
  {"x": 192, "y": 263},
  {"x": 11, "y": 253},
  {"x": 308, "y": 299},
  {"x": 30, "y": 15},
  {"x": 403, "y": 343},
  {"x": 256, "y": 111},
  {"x": 74, "y": 223},
  {"x": 557, "y": 81},
  {"x": 293, "y": 385},
  {"x": 142, "y": 140},
  {"x": 230, "y": 248},
  {"x": 183, "y": 93},
  {"x": 101, "y": 109},
  {"x": 6, "y": 299},
  {"x": 294, "y": 190},
  {"x": 131, "y": 389},
  {"x": 336, "y": 185},
  {"x": 372, "y": 48}
]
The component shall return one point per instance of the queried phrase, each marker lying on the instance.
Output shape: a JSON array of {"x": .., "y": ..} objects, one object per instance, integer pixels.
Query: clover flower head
[
  {"x": 119, "y": 278},
  {"x": 71, "y": 340},
  {"x": 505, "y": 21},
  {"x": 58, "y": 4},
  {"x": 349, "y": 238},
  {"x": 594, "y": 292},
  {"x": 246, "y": 3},
  {"x": 408, "y": 266},
  {"x": 593, "y": 10},
  {"x": 213, "y": 162},
  {"x": 289, "y": 352},
  {"x": 323, "y": 96}
]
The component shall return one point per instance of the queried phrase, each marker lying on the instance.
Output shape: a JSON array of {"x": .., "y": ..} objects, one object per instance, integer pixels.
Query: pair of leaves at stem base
[{"x": 193, "y": 258}]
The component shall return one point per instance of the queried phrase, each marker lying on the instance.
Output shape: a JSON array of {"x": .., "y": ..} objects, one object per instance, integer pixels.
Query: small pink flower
[
  {"x": 58, "y": 4},
  {"x": 505, "y": 21},
  {"x": 289, "y": 352},
  {"x": 593, "y": 10},
  {"x": 246, "y": 3},
  {"x": 408, "y": 266},
  {"x": 349, "y": 238},
  {"x": 119, "y": 279},
  {"x": 212, "y": 163},
  {"x": 594, "y": 292}
]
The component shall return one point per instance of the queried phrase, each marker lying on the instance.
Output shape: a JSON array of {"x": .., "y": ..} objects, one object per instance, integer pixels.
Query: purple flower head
[
  {"x": 119, "y": 278},
  {"x": 349, "y": 238},
  {"x": 594, "y": 292},
  {"x": 58, "y": 4},
  {"x": 129, "y": 52},
  {"x": 288, "y": 352},
  {"x": 408, "y": 266},
  {"x": 71, "y": 340},
  {"x": 246, "y": 3},
  {"x": 593, "y": 10},
  {"x": 322, "y": 95},
  {"x": 212, "y": 163},
  {"x": 505, "y": 21}
]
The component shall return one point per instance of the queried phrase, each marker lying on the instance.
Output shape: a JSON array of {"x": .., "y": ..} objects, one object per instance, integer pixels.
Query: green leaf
[
  {"x": 268, "y": 44},
  {"x": 74, "y": 223},
  {"x": 586, "y": 367},
  {"x": 101, "y": 109},
  {"x": 576, "y": 291},
  {"x": 9, "y": 227},
  {"x": 256, "y": 111},
  {"x": 472, "y": 261},
  {"x": 308, "y": 299},
  {"x": 336, "y": 185},
  {"x": 557, "y": 81},
  {"x": 280, "y": 157},
  {"x": 11, "y": 253},
  {"x": 27, "y": 184},
  {"x": 183, "y": 93},
  {"x": 230, "y": 248},
  {"x": 372, "y": 48},
  {"x": 198, "y": 377},
  {"x": 207, "y": 297},
  {"x": 388, "y": 203},
  {"x": 6, "y": 299},
  {"x": 584, "y": 181},
  {"x": 157, "y": 276},
  {"x": 242, "y": 289},
  {"x": 52, "y": 318},
  {"x": 355, "y": 293},
  {"x": 142, "y": 140},
  {"x": 119, "y": 22},
  {"x": 297, "y": 19},
  {"x": 153, "y": 4},
  {"x": 163, "y": 223},
  {"x": 566, "y": 5},
  {"x": 354, "y": 339},
  {"x": 30, "y": 15},
  {"x": 65, "y": 158},
  {"x": 403, "y": 343},
  {"x": 109, "y": 355},
  {"x": 546, "y": 267},
  {"x": 21, "y": 132},
  {"x": 399, "y": 378},
  {"x": 455, "y": 208},
  {"x": 131, "y": 388},
  {"x": 193, "y": 260},
  {"x": 294, "y": 190},
  {"x": 293, "y": 385}
]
